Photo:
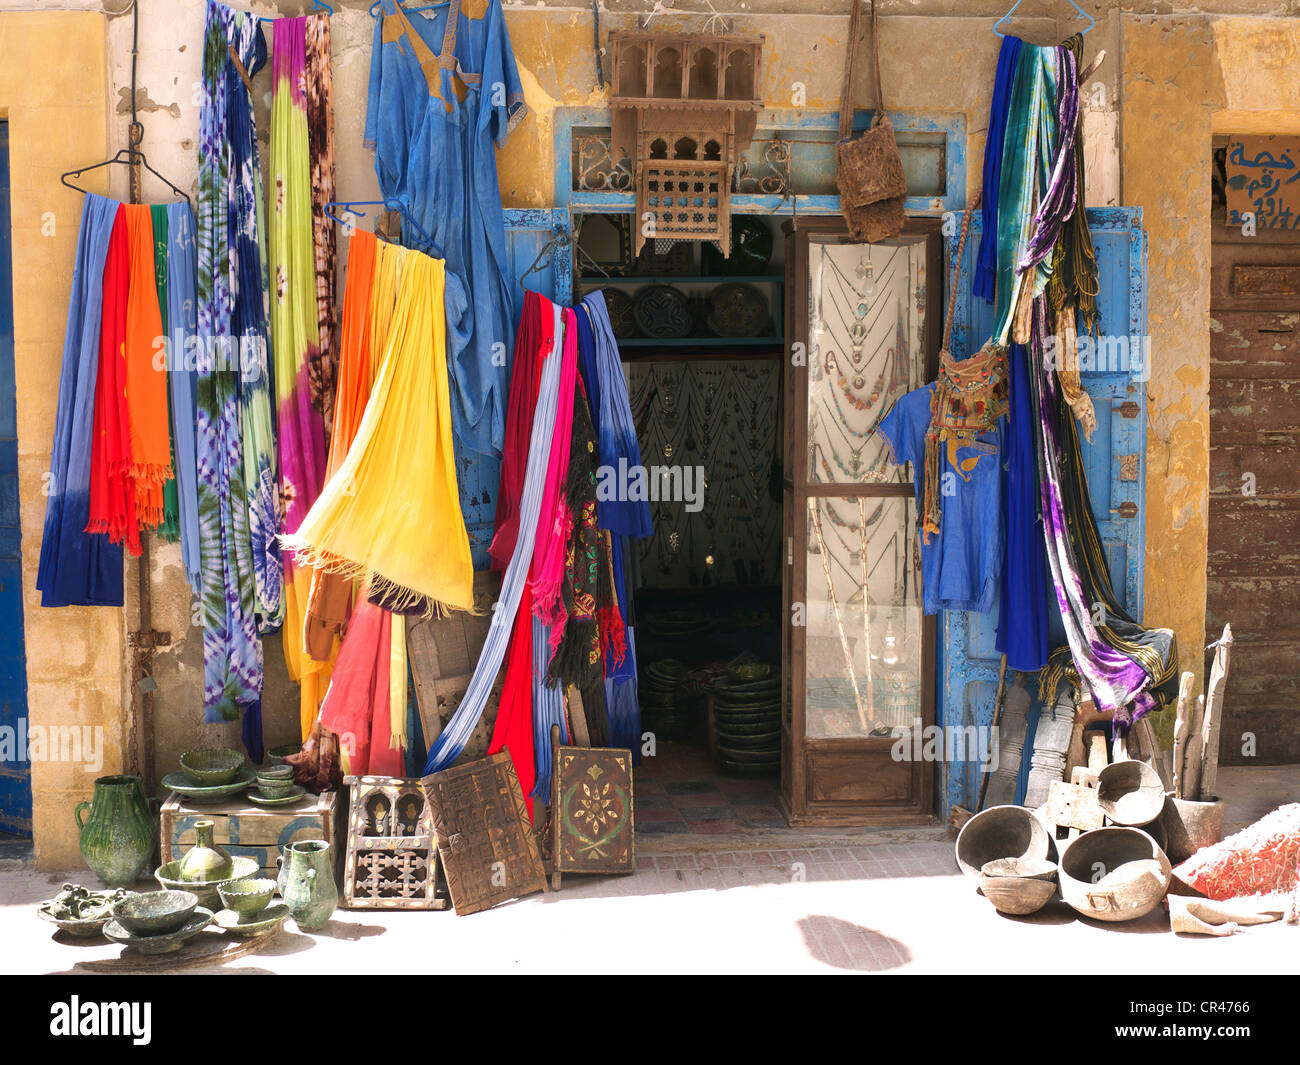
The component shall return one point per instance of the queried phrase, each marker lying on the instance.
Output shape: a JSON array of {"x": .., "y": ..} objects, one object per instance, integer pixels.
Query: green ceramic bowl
[
  {"x": 275, "y": 790},
  {"x": 168, "y": 876},
  {"x": 247, "y": 897},
  {"x": 155, "y": 913},
  {"x": 277, "y": 755},
  {"x": 211, "y": 766}
]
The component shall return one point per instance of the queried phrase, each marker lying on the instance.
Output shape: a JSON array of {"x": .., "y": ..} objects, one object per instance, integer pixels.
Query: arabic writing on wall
[{"x": 1263, "y": 180}]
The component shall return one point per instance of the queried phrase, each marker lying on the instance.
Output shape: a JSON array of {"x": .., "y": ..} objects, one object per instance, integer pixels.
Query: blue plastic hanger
[
  {"x": 1091, "y": 21},
  {"x": 316, "y": 6},
  {"x": 390, "y": 204}
]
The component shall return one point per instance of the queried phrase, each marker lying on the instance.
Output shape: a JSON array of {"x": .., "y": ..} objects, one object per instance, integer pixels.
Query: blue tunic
[{"x": 434, "y": 139}]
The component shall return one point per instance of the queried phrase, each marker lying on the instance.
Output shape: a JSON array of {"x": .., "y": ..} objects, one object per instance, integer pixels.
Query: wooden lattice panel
[
  {"x": 483, "y": 832},
  {"x": 392, "y": 861},
  {"x": 684, "y": 200}
]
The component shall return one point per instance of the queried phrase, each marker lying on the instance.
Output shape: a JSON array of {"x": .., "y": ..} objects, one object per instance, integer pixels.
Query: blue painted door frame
[
  {"x": 15, "y": 770},
  {"x": 1115, "y": 461}
]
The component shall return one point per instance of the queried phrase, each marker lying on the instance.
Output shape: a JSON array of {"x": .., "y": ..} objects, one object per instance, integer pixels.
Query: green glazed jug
[
  {"x": 118, "y": 838},
  {"x": 307, "y": 883},
  {"x": 205, "y": 861}
]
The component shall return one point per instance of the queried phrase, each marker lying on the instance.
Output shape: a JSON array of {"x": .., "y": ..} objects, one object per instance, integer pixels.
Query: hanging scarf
[
  {"x": 78, "y": 568},
  {"x": 1061, "y": 197},
  {"x": 532, "y": 342},
  {"x": 1074, "y": 264},
  {"x": 619, "y": 450},
  {"x": 356, "y": 707},
  {"x": 609, "y": 618},
  {"x": 555, "y": 521},
  {"x": 146, "y": 384},
  {"x": 324, "y": 357},
  {"x": 418, "y": 552},
  {"x": 170, "y": 529},
  {"x": 182, "y": 268},
  {"x": 576, "y": 661},
  {"x": 1128, "y": 669},
  {"x": 249, "y": 327},
  {"x": 112, "y": 498},
  {"x": 232, "y": 651},
  {"x": 331, "y": 593},
  {"x": 513, "y": 729},
  {"x": 548, "y": 710},
  {"x": 986, "y": 268},
  {"x": 622, "y": 705},
  {"x": 447, "y": 748}
]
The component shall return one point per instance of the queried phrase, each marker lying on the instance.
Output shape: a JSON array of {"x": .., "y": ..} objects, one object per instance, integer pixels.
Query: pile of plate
[
  {"x": 747, "y": 724},
  {"x": 665, "y": 709}
]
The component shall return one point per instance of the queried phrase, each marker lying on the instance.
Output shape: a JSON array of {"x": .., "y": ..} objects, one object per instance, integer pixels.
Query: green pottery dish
[
  {"x": 293, "y": 794},
  {"x": 277, "y": 755},
  {"x": 209, "y": 767},
  {"x": 247, "y": 897},
  {"x": 205, "y": 795},
  {"x": 160, "y": 944},
  {"x": 169, "y": 877},
  {"x": 79, "y": 911},
  {"x": 155, "y": 913},
  {"x": 268, "y": 920}
]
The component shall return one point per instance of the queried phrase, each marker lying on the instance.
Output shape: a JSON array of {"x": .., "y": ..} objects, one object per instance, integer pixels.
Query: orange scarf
[{"x": 146, "y": 383}]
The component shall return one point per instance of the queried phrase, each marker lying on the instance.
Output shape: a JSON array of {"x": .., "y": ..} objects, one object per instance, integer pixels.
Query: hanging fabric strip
[
  {"x": 77, "y": 567},
  {"x": 295, "y": 340},
  {"x": 556, "y": 522},
  {"x": 1074, "y": 265},
  {"x": 1128, "y": 669},
  {"x": 620, "y": 452},
  {"x": 548, "y": 710},
  {"x": 324, "y": 357},
  {"x": 232, "y": 651},
  {"x": 170, "y": 529},
  {"x": 1060, "y": 199},
  {"x": 416, "y": 555},
  {"x": 986, "y": 268},
  {"x": 331, "y": 593},
  {"x": 182, "y": 266},
  {"x": 112, "y": 501},
  {"x": 447, "y": 748},
  {"x": 513, "y": 728}
]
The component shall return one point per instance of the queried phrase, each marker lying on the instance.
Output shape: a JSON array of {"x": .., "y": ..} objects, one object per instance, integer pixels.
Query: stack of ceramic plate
[
  {"x": 664, "y": 709},
  {"x": 747, "y": 725}
]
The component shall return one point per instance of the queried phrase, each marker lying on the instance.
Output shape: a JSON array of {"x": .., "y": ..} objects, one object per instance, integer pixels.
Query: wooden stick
[
  {"x": 1091, "y": 68},
  {"x": 1181, "y": 726},
  {"x": 997, "y": 721},
  {"x": 1214, "y": 716},
  {"x": 1195, "y": 751}
]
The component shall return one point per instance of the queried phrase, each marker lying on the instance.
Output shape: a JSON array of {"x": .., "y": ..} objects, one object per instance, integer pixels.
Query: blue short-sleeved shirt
[
  {"x": 960, "y": 566},
  {"x": 435, "y": 153}
]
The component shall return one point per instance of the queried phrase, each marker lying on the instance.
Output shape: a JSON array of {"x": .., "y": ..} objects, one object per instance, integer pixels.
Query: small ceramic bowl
[
  {"x": 211, "y": 766},
  {"x": 275, "y": 774},
  {"x": 155, "y": 913},
  {"x": 247, "y": 897},
  {"x": 277, "y": 755}
]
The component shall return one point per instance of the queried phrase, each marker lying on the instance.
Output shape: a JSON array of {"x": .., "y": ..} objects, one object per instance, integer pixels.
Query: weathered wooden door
[
  {"x": 1253, "y": 579},
  {"x": 15, "y": 770},
  {"x": 1116, "y": 466}
]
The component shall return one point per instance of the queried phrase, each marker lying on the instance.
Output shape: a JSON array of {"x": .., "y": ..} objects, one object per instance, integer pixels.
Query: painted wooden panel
[
  {"x": 15, "y": 772},
  {"x": 1115, "y": 462}
]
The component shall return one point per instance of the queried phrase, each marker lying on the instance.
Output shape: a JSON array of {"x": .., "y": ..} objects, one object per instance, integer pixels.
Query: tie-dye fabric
[{"x": 232, "y": 650}]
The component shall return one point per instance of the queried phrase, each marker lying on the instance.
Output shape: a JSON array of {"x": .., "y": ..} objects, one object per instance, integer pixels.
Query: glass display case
[{"x": 864, "y": 330}]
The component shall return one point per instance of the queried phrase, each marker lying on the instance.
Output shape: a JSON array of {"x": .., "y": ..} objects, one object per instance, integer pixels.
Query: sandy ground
[{"x": 790, "y": 902}]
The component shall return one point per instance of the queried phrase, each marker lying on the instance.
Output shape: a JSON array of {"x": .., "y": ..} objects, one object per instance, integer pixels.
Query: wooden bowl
[{"x": 1017, "y": 895}]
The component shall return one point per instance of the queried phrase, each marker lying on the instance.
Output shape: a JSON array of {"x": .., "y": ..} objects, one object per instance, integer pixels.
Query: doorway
[{"x": 701, "y": 336}]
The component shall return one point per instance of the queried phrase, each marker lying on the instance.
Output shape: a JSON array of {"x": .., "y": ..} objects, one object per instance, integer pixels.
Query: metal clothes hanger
[
  {"x": 316, "y": 6},
  {"x": 134, "y": 154},
  {"x": 1083, "y": 14},
  {"x": 390, "y": 204}
]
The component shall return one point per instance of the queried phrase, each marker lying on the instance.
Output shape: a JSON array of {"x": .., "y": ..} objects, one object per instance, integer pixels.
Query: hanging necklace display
[{"x": 835, "y": 609}]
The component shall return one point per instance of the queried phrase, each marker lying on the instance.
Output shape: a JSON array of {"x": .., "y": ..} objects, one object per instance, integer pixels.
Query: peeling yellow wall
[
  {"x": 1186, "y": 78},
  {"x": 58, "y": 119}
]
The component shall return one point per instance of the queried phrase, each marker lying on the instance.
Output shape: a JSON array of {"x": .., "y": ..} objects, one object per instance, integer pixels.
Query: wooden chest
[{"x": 244, "y": 828}]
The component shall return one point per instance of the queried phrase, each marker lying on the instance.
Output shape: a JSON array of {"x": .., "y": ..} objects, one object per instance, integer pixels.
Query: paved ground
[{"x": 790, "y": 901}]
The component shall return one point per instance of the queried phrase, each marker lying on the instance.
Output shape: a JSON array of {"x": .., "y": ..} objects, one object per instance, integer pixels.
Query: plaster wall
[{"x": 1158, "y": 94}]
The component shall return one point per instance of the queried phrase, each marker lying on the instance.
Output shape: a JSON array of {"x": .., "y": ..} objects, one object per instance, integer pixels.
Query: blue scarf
[
  {"x": 548, "y": 710},
  {"x": 448, "y": 746},
  {"x": 78, "y": 568},
  {"x": 182, "y": 276},
  {"x": 986, "y": 268}
]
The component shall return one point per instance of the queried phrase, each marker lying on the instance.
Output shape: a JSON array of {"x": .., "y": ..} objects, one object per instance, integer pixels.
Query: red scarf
[{"x": 112, "y": 495}]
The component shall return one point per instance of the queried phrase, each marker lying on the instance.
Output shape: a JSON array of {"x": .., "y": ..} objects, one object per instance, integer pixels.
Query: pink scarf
[{"x": 555, "y": 523}]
